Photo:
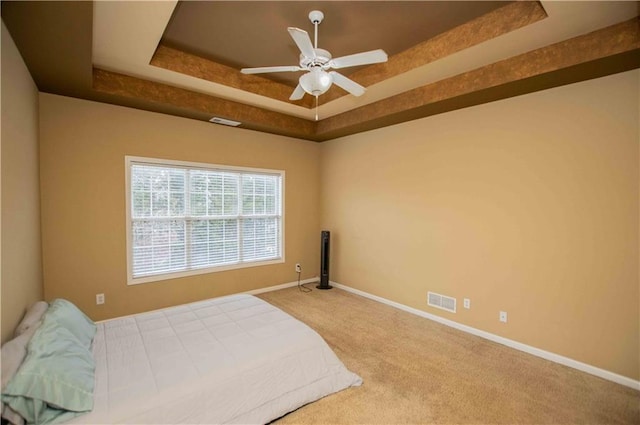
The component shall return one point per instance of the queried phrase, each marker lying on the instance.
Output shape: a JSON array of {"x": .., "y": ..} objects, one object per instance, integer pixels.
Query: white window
[{"x": 187, "y": 218}]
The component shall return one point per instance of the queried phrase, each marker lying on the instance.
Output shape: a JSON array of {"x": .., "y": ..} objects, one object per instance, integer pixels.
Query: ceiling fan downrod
[{"x": 316, "y": 17}]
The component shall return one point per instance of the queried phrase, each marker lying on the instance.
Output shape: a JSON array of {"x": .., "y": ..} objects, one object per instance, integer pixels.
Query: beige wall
[
  {"x": 83, "y": 145},
  {"x": 21, "y": 261},
  {"x": 527, "y": 205}
]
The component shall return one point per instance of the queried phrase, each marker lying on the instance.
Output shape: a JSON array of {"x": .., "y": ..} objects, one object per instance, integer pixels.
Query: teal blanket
[{"x": 55, "y": 381}]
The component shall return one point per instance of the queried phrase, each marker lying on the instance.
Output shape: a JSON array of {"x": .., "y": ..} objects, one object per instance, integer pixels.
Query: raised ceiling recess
[{"x": 184, "y": 58}]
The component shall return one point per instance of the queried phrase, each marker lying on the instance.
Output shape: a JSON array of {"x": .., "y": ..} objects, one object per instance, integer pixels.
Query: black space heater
[{"x": 325, "y": 239}]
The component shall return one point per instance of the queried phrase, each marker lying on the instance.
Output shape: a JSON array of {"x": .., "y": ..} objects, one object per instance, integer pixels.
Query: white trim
[
  {"x": 251, "y": 292},
  {"x": 193, "y": 272},
  {"x": 203, "y": 165},
  {"x": 281, "y": 286},
  {"x": 566, "y": 361},
  {"x": 130, "y": 160}
]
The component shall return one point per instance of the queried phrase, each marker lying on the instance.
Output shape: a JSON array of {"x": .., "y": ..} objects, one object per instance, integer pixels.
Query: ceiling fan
[{"x": 317, "y": 62}]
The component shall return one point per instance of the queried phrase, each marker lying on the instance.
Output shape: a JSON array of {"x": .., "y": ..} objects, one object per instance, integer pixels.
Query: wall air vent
[
  {"x": 441, "y": 301},
  {"x": 224, "y": 121}
]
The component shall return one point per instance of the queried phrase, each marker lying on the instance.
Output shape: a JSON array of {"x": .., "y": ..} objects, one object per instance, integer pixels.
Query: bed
[{"x": 234, "y": 359}]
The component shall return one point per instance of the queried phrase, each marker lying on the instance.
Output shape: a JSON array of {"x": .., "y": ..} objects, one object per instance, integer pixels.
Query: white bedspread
[{"x": 234, "y": 359}]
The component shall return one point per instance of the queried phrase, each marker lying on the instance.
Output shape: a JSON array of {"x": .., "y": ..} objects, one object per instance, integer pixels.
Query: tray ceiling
[
  {"x": 257, "y": 35},
  {"x": 183, "y": 58}
]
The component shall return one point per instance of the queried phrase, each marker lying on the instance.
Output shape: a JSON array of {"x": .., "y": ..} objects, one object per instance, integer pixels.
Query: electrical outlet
[
  {"x": 298, "y": 268},
  {"x": 503, "y": 316},
  {"x": 467, "y": 303},
  {"x": 99, "y": 299}
]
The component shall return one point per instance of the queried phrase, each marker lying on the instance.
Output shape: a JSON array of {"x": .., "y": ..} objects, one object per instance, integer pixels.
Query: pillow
[
  {"x": 68, "y": 316},
  {"x": 13, "y": 353},
  {"x": 55, "y": 381},
  {"x": 31, "y": 317}
]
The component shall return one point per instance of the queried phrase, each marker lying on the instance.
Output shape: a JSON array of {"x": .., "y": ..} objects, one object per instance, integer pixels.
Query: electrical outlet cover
[
  {"x": 467, "y": 303},
  {"x": 503, "y": 316}
]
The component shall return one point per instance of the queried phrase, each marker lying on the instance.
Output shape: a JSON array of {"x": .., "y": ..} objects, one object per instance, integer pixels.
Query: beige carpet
[{"x": 417, "y": 371}]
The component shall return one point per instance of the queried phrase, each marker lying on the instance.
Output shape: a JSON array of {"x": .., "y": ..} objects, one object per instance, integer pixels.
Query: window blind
[{"x": 191, "y": 218}]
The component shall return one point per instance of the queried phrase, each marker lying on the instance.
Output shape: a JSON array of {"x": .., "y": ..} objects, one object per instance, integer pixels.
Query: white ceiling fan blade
[
  {"x": 347, "y": 84},
  {"x": 364, "y": 58},
  {"x": 265, "y": 69},
  {"x": 297, "y": 94},
  {"x": 301, "y": 37}
]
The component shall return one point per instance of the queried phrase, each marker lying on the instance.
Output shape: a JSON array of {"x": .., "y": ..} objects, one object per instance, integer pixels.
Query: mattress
[{"x": 234, "y": 359}]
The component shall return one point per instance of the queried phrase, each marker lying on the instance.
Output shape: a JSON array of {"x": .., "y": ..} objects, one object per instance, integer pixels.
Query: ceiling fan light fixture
[{"x": 316, "y": 82}]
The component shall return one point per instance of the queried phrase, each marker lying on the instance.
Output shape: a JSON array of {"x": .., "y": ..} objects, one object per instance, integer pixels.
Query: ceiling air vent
[
  {"x": 224, "y": 121},
  {"x": 441, "y": 301}
]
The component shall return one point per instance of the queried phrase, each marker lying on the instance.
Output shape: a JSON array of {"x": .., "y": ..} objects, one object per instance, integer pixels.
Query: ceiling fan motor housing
[{"x": 322, "y": 59}]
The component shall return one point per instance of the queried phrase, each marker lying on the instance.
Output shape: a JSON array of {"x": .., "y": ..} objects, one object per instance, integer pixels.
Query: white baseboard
[
  {"x": 605, "y": 374},
  {"x": 252, "y": 292},
  {"x": 281, "y": 286}
]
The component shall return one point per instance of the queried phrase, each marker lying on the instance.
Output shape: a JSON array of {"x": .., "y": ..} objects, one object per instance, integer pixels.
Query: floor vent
[{"x": 441, "y": 301}]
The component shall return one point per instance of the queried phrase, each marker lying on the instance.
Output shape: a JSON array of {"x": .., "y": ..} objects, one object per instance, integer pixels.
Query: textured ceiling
[
  {"x": 184, "y": 58},
  {"x": 246, "y": 34}
]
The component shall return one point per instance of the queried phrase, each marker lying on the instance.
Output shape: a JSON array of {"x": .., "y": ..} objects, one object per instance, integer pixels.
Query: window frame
[{"x": 130, "y": 160}]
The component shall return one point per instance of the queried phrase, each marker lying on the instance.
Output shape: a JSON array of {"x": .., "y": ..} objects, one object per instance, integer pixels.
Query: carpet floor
[{"x": 417, "y": 371}]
